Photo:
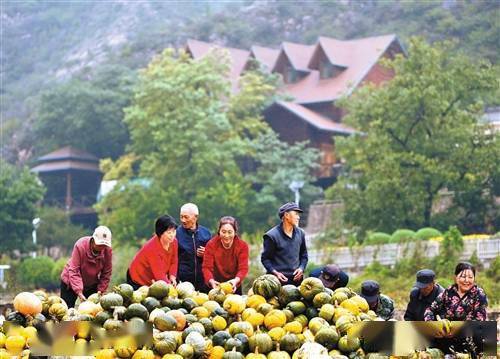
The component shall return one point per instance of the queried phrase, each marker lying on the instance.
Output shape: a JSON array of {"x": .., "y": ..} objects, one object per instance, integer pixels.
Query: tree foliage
[
  {"x": 20, "y": 190},
  {"x": 191, "y": 137},
  {"x": 421, "y": 134}
]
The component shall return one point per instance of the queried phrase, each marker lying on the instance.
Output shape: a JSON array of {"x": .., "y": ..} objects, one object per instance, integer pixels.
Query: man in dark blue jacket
[
  {"x": 285, "y": 252},
  {"x": 425, "y": 291},
  {"x": 192, "y": 239},
  {"x": 331, "y": 276}
]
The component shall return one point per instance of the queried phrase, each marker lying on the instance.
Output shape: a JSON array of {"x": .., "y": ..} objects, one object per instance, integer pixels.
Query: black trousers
[
  {"x": 70, "y": 296},
  {"x": 131, "y": 282}
]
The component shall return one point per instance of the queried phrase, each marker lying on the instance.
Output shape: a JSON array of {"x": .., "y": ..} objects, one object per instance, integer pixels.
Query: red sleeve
[
  {"x": 208, "y": 262},
  {"x": 242, "y": 261},
  {"x": 174, "y": 259},
  {"x": 106, "y": 271},
  {"x": 74, "y": 270}
]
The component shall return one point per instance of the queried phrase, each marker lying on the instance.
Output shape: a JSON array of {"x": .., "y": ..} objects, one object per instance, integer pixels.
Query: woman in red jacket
[
  {"x": 226, "y": 256},
  {"x": 157, "y": 259}
]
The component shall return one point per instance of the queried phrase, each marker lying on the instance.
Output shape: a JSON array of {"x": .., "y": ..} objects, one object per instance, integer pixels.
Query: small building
[{"x": 72, "y": 178}]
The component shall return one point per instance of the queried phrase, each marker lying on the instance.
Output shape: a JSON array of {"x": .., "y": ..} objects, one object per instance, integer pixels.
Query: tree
[
  {"x": 418, "y": 135},
  {"x": 20, "y": 191},
  {"x": 190, "y": 136},
  {"x": 86, "y": 114}
]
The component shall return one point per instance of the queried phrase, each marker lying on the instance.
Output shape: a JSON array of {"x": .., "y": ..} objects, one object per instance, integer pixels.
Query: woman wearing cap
[
  {"x": 463, "y": 300},
  {"x": 157, "y": 259},
  {"x": 89, "y": 269},
  {"x": 226, "y": 256}
]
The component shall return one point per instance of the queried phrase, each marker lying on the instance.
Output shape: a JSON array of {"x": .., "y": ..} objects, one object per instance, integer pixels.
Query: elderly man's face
[{"x": 188, "y": 219}]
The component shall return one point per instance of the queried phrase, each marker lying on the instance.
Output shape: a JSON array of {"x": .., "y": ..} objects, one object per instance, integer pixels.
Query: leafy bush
[
  {"x": 57, "y": 269},
  {"x": 403, "y": 235},
  {"x": 377, "y": 238},
  {"x": 426, "y": 233},
  {"x": 36, "y": 272}
]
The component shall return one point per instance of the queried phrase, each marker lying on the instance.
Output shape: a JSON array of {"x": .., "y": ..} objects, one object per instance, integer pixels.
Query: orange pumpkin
[{"x": 28, "y": 304}]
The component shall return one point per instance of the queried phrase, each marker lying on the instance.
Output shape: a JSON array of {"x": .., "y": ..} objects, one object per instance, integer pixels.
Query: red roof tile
[
  {"x": 265, "y": 56},
  {"x": 315, "y": 119},
  {"x": 299, "y": 55}
]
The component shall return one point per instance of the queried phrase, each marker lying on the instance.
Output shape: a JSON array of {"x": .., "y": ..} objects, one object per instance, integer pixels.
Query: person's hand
[
  {"x": 213, "y": 283},
  {"x": 99, "y": 293},
  {"x": 173, "y": 280},
  {"x": 297, "y": 274},
  {"x": 234, "y": 282},
  {"x": 82, "y": 297},
  {"x": 280, "y": 276},
  {"x": 200, "y": 251}
]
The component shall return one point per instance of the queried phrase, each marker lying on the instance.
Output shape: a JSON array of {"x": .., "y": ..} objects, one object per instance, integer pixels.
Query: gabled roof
[
  {"x": 332, "y": 49},
  {"x": 265, "y": 55},
  {"x": 315, "y": 119},
  {"x": 297, "y": 54},
  {"x": 238, "y": 57},
  {"x": 361, "y": 55}
]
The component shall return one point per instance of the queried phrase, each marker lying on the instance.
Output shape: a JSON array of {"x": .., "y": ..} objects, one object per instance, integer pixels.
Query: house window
[
  {"x": 290, "y": 75},
  {"x": 326, "y": 69}
]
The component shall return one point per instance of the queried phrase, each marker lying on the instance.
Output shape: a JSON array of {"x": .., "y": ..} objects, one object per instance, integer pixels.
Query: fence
[{"x": 356, "y": 259}]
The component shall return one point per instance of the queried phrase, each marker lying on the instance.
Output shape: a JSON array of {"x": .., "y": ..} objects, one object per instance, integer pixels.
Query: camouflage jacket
[{"x": 385, "y": 307}]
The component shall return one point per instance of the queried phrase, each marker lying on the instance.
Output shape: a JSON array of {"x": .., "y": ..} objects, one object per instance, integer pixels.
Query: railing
[
  {"x": 76, "y": 202},
  {"x": 356, "y": 259}
]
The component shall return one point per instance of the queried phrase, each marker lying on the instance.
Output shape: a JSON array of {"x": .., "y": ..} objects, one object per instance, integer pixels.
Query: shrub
[
  {"x": 58, "y": 268},
  {"x": 403, "y": 235},
  {"x": 36, "y": 272},
  {"x": 427, "y": 233},
  {"x": 377, "y": 238}
]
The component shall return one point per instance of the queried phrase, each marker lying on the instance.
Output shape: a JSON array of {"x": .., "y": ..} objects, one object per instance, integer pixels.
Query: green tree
[
  {"x": 56, "y": 229},
  {"x": 20, "y": 191},
  {"x": 86, "y": 114},
  {"x": 418, "y": 135}
]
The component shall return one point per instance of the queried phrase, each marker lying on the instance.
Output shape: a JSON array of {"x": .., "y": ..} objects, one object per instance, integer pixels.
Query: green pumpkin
[
  {"x": 217, "y": 295},
  {"x": 197, "y": 341},
  {"x": 159, "y": 289},
  {"x": 164, "y": 322},
  {"x": 171, "y": 302},
  {"x": 207, "y": 323},
  {"x": 119, "y": 312},
  {"x": 261, "y": 342},
  {"x": 111, "y": 300},
  {"x": 191, "y": 318},
  {"x": 278, "y": 354},
  {"x": 126, "y": 291},
  {"x": 186, "y": 351},
  {"x": 165, "y": 345},
  {"x": 189, "y": 304},
  {"x": 101, "y": 317},
  {"x": 328, "y": 337},
  {"x": 267, "y": 285},
  {"x": 17, "y": 318},
  {"x": 136, "y": 310},
  {"x": 311, "y": 312},
  {"x": 326, "y": 312},
  {"x": 302, "y": 319},
  {"x": 321, "y": 298},
  {"x": 290, "y": 342},
  {"x": 151, "y": 303},
  {"x": 194, "y": 327},
  {"x": 296, "y": 307},
  {"x": 220, "y": 338},
  {"x": 233, "y": 354},
  {"x": 243, "y": 338},
  {"x": 289, "y": 293},
  {"x": 348, "y": 344},
  {"x": 222, "y": 312},
  {"x": 233, "y": 343},
  {"x": 113, "y": 324},
  {"x": 310, "y": 287}
]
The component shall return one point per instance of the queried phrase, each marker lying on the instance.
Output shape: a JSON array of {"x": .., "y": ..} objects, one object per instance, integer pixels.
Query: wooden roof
[{"x": 66, "y": 159}]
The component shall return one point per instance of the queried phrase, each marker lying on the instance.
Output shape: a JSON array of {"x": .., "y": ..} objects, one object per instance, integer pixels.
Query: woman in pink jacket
[{"x": 89, "y": 268}]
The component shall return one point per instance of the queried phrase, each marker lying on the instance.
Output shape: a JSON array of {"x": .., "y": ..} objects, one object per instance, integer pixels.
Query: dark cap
[
  {"x": 329, "y": 275},
  {"x": 287, "y": 207},
  {"x": 424, "y": 278},
  {"x": 370, "y": 290}
]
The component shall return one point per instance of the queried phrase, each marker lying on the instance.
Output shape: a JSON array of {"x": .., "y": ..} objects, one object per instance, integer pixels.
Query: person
[
  {"x": 192, "y": 238},
  {"x": 422, "y": 295},
  {"x": 226, "y": 256},
  {"x": 89, "y": 269},
  {"x": 331, "y": 275},
  {"x": 463, "y": 300},
  {"x": 381, "y": 304},
  {"x": 157, "y": 259},
  {"x": 285, "y": 252}
]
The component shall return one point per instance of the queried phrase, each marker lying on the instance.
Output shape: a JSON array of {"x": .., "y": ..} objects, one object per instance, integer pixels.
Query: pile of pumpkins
[{"x": 272, "y": 321}]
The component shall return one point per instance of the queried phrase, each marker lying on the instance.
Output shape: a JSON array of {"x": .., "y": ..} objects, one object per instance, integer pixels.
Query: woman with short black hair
[
  {"x": 463, "y": 300},
  {"x": 157, "y": 259}
]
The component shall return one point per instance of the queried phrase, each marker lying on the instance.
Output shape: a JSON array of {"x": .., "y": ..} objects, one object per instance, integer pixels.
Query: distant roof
[
  {"x": 265, "y": 55},
  {"x": 67, "y": 153},
  {"x": 315, "y": 119},
  {"x": 298, "y": 54},
  {"x": 67, "y": 158}
]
